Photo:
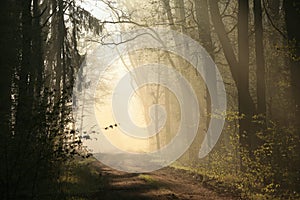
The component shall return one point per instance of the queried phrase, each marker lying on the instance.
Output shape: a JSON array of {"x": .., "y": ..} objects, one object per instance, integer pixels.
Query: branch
[
  {"x": 123, "y": 22},
  {"x": 226, "y": 6},
  {"x": 223, "y": 37},
  {"x": 271, "y": 21},
  {"x": 39, "y": 15},
  {"x": 53, "y": 12}
]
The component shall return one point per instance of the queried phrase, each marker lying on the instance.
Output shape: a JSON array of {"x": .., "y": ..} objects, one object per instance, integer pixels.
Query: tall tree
[
  {"x": 292, "y": 20},
  {"x": 239, "y": 67},
  {"x": 260, "y": 60},
  {"x": 9, "y": 59},
  {"x": 33, "y": 143},
  {"x": 245, "y": 102},
  {"x": 205, "y": 39}
]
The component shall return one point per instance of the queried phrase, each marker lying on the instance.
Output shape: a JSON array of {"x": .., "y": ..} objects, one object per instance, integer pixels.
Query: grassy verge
[
  {"x": 222, "y": 185},
  {"x": 80, "y": 180}
]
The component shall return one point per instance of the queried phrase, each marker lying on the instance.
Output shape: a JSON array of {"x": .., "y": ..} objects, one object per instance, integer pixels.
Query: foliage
[
  {"x": 270, "y": 171},
  {"x": 40, "y": 61}
]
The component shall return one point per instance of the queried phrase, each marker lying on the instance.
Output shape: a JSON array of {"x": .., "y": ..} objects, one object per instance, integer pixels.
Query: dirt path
[{"x": 164, "y": 184}]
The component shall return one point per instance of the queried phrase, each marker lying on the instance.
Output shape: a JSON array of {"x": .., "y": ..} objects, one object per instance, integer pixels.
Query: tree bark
[
  {"x": 260, "y": 60},
  {"x": 9, "y": 39},
  {"x": 292, "y": 20},
  {"x": 204, "y": 30},
  {"x": 239, "y": 68}
]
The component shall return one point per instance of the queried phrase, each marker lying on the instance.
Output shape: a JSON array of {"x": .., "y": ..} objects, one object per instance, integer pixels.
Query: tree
[
  {"x": 260, "y": 61},
  {"x": 292, "y": 20},
  {"x": 239, "y": 67},
  {"x": 33, "y": 125}
]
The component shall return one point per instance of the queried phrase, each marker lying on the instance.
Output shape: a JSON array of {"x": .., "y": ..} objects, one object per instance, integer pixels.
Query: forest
[{"x": 90, "y": 108}]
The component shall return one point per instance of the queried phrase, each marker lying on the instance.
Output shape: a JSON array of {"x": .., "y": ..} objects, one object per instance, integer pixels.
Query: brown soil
[{"x": 164, "y": 184}]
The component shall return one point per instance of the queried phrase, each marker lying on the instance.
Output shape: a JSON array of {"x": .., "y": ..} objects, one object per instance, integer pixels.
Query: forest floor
[{"x": 91, "y": 180}]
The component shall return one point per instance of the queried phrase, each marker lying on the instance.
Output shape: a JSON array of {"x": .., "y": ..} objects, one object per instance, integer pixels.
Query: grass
[
  {"x": 220, "y": 183},
  {"x": 150, "y": 180},
  {"x": 80, "y": 180}
]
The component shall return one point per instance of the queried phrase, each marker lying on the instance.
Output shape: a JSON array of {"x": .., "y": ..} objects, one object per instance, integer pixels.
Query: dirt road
[{"x": 164, "y": 184}]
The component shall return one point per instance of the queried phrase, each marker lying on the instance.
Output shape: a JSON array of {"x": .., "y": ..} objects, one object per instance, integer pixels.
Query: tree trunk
[
  {"x": 239, "y": 69},
  {"x": 204, "y": 30},
  {"x": 9, "y": 39},
  {"x": 292, "y": 20},
  {"x": 260, "y": 60}
]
